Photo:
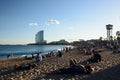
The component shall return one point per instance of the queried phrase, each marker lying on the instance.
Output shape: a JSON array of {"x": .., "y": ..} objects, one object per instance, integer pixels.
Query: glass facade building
[{"x": 40, "y": 37}]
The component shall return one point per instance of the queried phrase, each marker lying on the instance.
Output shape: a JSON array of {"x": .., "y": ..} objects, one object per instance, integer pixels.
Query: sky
[{"x": 71, "y": 20}]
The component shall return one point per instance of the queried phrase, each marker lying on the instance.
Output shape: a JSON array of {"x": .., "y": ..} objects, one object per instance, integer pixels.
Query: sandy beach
[{"x": 107, "y": 69}]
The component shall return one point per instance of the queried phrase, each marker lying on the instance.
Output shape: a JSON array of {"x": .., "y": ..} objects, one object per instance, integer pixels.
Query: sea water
[{"x": 23, "y": 50}]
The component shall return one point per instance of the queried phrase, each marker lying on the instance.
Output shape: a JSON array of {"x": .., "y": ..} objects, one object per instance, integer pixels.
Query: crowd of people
[
  {"x": 39, "y": 57},
  {"x": 74, "y": 66}
]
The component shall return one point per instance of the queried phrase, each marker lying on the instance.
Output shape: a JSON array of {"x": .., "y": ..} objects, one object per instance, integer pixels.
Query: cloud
[
  {"x": 49, "y": 22},
  {"x": 33, "y": 24}
]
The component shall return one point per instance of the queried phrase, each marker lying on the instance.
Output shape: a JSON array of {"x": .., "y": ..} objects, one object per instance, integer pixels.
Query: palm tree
[
  {"x": 100, "y": 38},
  {"x": 118, "y": 36},
  {"x": 118, "y": 33}
]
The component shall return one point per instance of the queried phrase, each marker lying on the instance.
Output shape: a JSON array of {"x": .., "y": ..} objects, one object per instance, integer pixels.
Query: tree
[
  {"x": 118, "y": 36},
  {"x": 100, "y": 38},
  {"x": 118, "y": 33}
]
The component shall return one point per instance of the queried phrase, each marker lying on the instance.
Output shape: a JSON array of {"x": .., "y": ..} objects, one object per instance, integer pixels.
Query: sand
[{"x": 107, "y": 69}]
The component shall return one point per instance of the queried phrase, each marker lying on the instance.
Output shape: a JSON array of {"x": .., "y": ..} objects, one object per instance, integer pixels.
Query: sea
[{"x": 17, "y": 51}]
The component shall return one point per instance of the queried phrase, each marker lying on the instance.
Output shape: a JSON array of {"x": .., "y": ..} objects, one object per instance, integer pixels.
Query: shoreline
[{"x": 29, "y": 54}]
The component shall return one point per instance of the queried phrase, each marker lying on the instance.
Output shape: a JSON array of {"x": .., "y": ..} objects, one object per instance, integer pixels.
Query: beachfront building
[
  {"x": 39, "y": 38},
  {"x": 109, "y": 28},
  {"x": 60, "y": 42}
]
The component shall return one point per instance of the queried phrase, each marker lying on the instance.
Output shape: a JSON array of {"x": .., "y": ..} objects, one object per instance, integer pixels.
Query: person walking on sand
[{"x": 39, "y": 57}]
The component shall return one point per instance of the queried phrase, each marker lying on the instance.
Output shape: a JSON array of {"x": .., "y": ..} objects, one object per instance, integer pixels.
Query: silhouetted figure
[
  {"x": 8, "y": 56},
  {"x": 95, "y": 58},
  {"x": 59, "y": 54},
  {"x": 33, "y": 56}
]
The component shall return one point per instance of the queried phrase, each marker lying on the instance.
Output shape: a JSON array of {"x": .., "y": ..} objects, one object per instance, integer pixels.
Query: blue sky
[{"x": 71, "y": 20}]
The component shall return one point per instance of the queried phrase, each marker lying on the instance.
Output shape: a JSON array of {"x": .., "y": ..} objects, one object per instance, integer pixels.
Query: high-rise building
[{"x": 40, "y": 37}]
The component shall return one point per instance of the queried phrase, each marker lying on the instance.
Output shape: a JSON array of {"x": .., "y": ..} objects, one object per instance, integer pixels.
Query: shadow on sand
[{"x": 112, "y": 73}]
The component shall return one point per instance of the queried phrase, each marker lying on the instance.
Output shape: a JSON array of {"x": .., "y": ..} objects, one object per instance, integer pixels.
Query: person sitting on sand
[
  {"x": 119, "y": 49},
  {"x": 72, "y": 62},
  {"x": 59, "y": 54},
  {"x": 92, "y": 50},
  {"x": 8, "y": 56},
  {"x": 95, "y": 58},
  {"x": 116, "y": 50},
  {"x": 38, "y": 57},
  {"x": 77, "y": 69},
  {"x": 24, "y": 66}
]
